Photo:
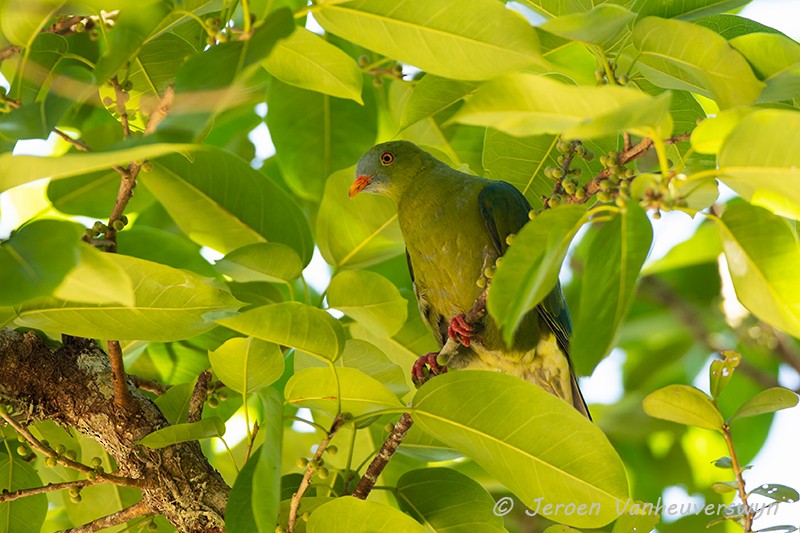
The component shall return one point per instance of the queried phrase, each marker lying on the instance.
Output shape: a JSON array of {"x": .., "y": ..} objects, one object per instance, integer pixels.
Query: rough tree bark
[{"x": 72, "y": 386}]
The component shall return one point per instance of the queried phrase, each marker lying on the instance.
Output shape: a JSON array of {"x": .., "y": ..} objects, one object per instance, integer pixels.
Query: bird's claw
[
  {"x": 461, "y": 331},
  {"x": 425, "y": 367}
]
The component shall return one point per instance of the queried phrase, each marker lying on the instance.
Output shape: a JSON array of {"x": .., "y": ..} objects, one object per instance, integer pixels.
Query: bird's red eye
[{"x": 387, "y": 158}]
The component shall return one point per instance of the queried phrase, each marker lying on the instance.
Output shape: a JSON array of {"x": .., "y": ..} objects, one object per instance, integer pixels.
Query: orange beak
[{"x": 359, "y": 184}]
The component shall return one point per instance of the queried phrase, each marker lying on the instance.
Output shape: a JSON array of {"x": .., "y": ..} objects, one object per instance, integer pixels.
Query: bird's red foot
[
  {"x": 425, "y": 368},
  {"x": 461, "y": 331}
]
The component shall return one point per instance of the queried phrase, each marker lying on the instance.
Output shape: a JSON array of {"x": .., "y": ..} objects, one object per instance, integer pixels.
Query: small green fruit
[
  {"x": 118, "y": 225},
  {"x": 60, "y": 449},
  {"x": 50, "y": 462},
  {"x": 96, "y": 462},
  {"x": 71, "y": 455},
  {"x": 302, "y": 462},
  {"x": 22, "y": 450},
  {"x": 332, "y": 450},
  {"x": 322, "y": 473}
]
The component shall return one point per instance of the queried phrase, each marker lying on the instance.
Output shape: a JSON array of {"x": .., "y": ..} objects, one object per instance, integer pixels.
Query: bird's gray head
[{"x": 389, "y": 168}]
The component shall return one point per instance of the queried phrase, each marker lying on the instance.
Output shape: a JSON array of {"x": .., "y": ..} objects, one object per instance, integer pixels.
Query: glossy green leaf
[
  {"x": 685, "y": 405},
  {"x": 25, "y": 515},
  {"x": 19, "y": 169},
  {"x": 348, "y": 514},
  {"x": 292, "y": 324},
  {"x": 710, "y": 134},
  {"x": 721, "y": 371},
  {"x": 28, "y": 268},
  {"x": 163, "y": 247},
  {"x": 263, "y": 261},
  {"x": 246, "y": 365},
  {"x": 731, "y": 26},
  {"x": 779, "y": 493},
  {"x": 560, "y": 528},
  {"x": 356, "y": 232},
  {"x": 767, "y": 401},
  {"x": 479, "y": 43},
  {"x": 370, "y": 299},
  {"x": 446, "y": 500},
  {"x": 775, "y": 59},
  {"x": 332, "y": 135},
  {"x": 724, "y": 487},
  {"x": 174, "y": 403},
  {"x": 608, "y": 284},
  {"x": 339, "y": 390},
  {"x": 308, "y": 61},
  {"x": 98, "y": 279},
  {"x": 714, "y": 70},
  {"x": 22, "y": 20},
  {"x": 239, "y": 514},
  {"x": 204, "y": 429},
  {"x": 760, "y": 160},
  {"x": 631, "y": 522},
  {"x": 45, "y": 54},
  {"x": 530, "y": 267},
  {"x": 431, "y": 95},
  {"x": 599, "y": 25},
  {"x": 90, "y": 194},
  {"x": 266, "y": 495},
  {"x": 684, "y": 10},
  {"x": 369, "y": 359},
  {"x": 163, "y": 295},
  {"x": 526, "y": 104},
  {"x": 498, "y": 421},
  {"x": 239, "y": 205},
  {"x": 762, "y": 253}
]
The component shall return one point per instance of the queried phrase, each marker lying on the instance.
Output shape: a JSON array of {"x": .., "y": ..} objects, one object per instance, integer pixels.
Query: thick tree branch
[
  {"x": 198, "y": 398},
  {"x": 72, "y": 386}
]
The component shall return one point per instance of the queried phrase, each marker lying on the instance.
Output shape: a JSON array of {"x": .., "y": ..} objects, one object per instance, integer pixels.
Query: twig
[
  {"x": 161, "y": 111},
  {"x": 7, "y": 496},
  {"x": 295, "y": 503},
  {"x": 64, "y": 461},
  {"x": 120, "y": 517},
  {"x": 122, "y": 395},
  {"x": 148, "y": 385},
  {"x": 390, "y": 445},
  {"x": 62, "y": 27},
  {"x": 737, "y": 470},
  {"x": 198, "y": 398},
  {"x": 251, "y": 441},
  {"x": 77, "y": 143},
  {"x": 121, "y": 98}
]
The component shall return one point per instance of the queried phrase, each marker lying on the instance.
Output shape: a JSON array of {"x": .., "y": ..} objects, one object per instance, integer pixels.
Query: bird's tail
[{"x": 577, "y": 397}]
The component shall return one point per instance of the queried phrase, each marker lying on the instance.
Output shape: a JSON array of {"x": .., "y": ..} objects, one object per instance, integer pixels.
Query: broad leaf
[
  {"x": 431, "y": 95},
  {"x": 478, "y": 43},
  {"x": 762, "y": 253},
  {"x": 779, "y": 493},
  {"x": 25, "y": 515},
  {"x": 775, "y": 59},
  {"x": 447, "y": 500},
  {"x": 339, "y": 390},
  {"x": 266, "y": 495},
  {"x": 204, "y": 429},
  {"x": 163, "y": 295},
  {"x": 246, "y": 365},
  {"x": 292, "y": 324},
  {"x": 767, "y": 401},
  {"x": 499, "y": 421},
  {"x": 239, "y": 514},
  {"x": 348, "y": 514},
  {"x": 263, "y": 261},
  {"x": 760, "y": 160},
  {"x": 174, "y": 403},
  {"x": 530, "y": 267},
  {"x": 685, "y": 405},
  {"x": 22, "y": 20},
  {"x": 616, "y": 255},
  {"x": 370, "y": 299},
  {"x": 685, "y": 10},
  {"x": 603, "y": 23}
]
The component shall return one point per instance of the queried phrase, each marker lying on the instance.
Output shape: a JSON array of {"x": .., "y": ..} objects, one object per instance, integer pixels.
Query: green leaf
[
  {"x": 96, "y": 279},
  {"x": 732, "y": 26},
  {"x": 339, "y": 390},
  {"x": 767, "y": 401},
  {"x": 530, "y": 266},
  {"x": 608, "y": 284},
  {"x": 163, "y": 295},
  {"x": 25, "y": 515},
  {"x": 348, "y": 514},
  {"x": 239, "y": 514},
  {"x": 685, "y": 10},
  {"x": 163, "y": 247},
  {"x": 632, "y": 522},
  {"x": 721, "y": 372},
  {"x": 22, "y": 20},
  {"x": 446, "y": 500},
  {"x": 714, "y": 70},
  {"x": 174, "y": 403},
  {"x": 723, "y": 462},
  {"x": 28, "y": 267},
  {"x": 762, "y": 252},
  {"x": 685, "y": 405},
  {"x": 356, "y": 232},
  {"x": 710, "y": 134},
  {"x": 333, "y": 135},
  {"x": 262, "y": 261},
  {"x": 292, "y": 324},
  {"x": 762, "y": 163},
  {"x": 479, "y": 43},
  {"x": 90, "y": 194},
  {"x": 240, "y": 206},
  {"x": 246, "y": 365},
  {"x": 499, "y": 421},
  {"x": 431, "y": 95},
  {"x": 204, "y": 429},
  {"x": 560, "y": 528},
  {"x": 779, "y": 493},
  {"x": 724, "y": 487},
  {"x": 308, "y": 61},
  {"x": 526, "y": 104},
  {"x": 775, "y": 58},
  {"x": 370, "y": 299},
  {"x": 266, "y": 495},
  {"x": 19, "y": 169},
  {"x": 603, "y": 23},
  {"x": 369, "y": 359},
  {"x": 701, "y": 248},
  {"x": 200, "y": 97}
]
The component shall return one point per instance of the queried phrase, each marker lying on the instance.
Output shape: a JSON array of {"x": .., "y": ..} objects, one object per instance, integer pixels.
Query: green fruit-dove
[{"x": 455, "y": 227}]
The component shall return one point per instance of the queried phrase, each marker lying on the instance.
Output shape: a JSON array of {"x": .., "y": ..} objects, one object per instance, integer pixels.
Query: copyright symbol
[{"x": 503, "y": 506}]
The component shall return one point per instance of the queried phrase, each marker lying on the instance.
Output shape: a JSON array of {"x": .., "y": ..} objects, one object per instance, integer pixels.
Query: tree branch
[
  {"x": 198, "y": 398},
  {"x": 7, "y": 496},
  {"x": 390, "y": 445},
  {"x": 120, "y": 517}
]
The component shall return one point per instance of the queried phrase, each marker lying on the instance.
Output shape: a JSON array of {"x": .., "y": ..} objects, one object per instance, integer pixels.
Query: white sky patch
[
  {"x": 210, "y": 254},
  {"x": 302, "y": 427},
  {"x": 733, "y": 309},
  {"x": 318, "y": 272},
  {"x": 678, "y": 496},
  {"x": 604, "y": 386},
  {"x": 313, "y": 25},
  {"x": 783, "y": 15}
]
